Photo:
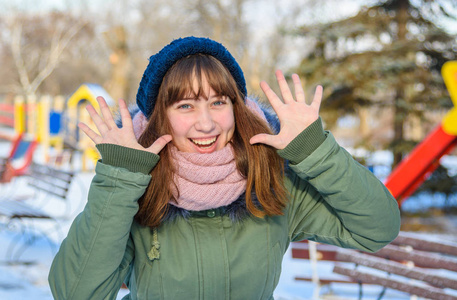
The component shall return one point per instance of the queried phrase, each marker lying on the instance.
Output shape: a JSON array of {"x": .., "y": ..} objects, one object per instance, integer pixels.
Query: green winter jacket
[{"x": 333, "y": 200}]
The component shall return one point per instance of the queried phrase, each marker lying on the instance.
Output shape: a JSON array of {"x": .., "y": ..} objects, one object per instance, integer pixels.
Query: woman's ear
[
  {"x": 255, "y": 108},
  {"x": 139, "y": 123}
]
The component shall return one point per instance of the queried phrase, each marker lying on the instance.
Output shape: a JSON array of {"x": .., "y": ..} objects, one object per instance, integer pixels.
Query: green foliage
[
  {"x": 387, "y": 56},
  {"x": 440, "y": 182}
]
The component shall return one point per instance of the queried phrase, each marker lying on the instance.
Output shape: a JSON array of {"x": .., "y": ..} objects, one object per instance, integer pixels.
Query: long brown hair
[{"x": 259, "y": 164}]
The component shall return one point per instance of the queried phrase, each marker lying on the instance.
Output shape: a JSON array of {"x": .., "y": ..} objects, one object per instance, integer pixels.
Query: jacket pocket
[
  {"x": 277, "y": 258},
  {"x": 148, "y": 281},
  {"x": 274, "y": 270}
]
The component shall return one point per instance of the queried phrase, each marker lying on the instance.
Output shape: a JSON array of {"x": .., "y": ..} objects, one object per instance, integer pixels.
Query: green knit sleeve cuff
[
  {"x": 305, "y": 143},
  {"x": 131, "y": 159}
]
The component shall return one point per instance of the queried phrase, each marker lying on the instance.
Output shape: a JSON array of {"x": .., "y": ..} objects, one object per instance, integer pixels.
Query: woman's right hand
[{"x": 111, "y": 134}]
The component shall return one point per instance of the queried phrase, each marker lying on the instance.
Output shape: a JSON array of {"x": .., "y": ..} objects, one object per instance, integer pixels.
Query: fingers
[
  {"x": 107, "y": 122},
  {"x": 267, "y": 139},
  {"x": 285, "y": 90},
  {"x": 160, "y": 143},
  {"x": 284, "y": 87},
  {"x": 317, "y": 98},
  {"x": 99, "y": 123},
  {"x": 259, "y": 139},
  {"x": 271, "y": 95},
  {"x": 125, "y": 114},
  {"x": 106, "y": 113},
  {"x": 90, "y": 133},
  {"x": 299, "y": 93}
]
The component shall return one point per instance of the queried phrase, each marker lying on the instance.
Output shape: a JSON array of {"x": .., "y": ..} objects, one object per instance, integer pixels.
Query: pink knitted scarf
[{"x": 206, "y": 181}]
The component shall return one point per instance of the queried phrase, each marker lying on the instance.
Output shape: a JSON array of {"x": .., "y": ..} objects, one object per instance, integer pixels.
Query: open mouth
[{"x": 204, "y": 143}]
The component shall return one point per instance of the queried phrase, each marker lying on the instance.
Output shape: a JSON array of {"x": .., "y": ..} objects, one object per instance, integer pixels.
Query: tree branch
[
  {"x": 17, "y": 56},
  {"x": 57, "y": 47}
]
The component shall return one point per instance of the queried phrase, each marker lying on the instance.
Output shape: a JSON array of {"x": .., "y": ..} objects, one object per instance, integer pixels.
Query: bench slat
[
  {"x": 50, "y": 190},
  {"x": 432, "y": 274},
  {"x": 324, "y": 252},
  {"x": 420, "y": 258},
  {"x": 395, "y": 268},
  {"x": 408, "y": 287},
  {"x": 327, "y": 280},
  {"x": 44, "y": 179},
  {"x": 446, "y": 247},
  {"x": 16, "y": 209},
  {"x": 43, "y": 169},
  {"x": 49, "y": 180}
]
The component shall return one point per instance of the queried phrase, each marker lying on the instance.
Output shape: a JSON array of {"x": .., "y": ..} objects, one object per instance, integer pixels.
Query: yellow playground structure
[
  {"x": 52, "y": 122},
  {"x": 86, "y": 93}
]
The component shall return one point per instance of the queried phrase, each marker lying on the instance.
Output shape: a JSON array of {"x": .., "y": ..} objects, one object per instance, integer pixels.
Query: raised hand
[
  {"x": 294, "y": 114},
  {"x": 111, "y": 134}
]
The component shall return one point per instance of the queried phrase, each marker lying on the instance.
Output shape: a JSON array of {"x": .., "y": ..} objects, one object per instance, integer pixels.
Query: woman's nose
[{"x": 205, "y": 121}]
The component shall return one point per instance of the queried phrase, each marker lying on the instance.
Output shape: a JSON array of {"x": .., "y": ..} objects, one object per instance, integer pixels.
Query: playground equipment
[
  {"x": 425, "y": 158},
  {"x": 7, "y": 114},
  {"x": 7, "y": 121},
  {"x": 19, "y": 158},
  {"x": 40, "y": 119},
  {"x": 53, "y": 123},
  {"x": 13, "y": 118},
  {"x": 76, "y": 113}
]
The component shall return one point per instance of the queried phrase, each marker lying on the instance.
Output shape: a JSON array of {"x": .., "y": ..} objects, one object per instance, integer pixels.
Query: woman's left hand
[{"x": 294, "y": 114}]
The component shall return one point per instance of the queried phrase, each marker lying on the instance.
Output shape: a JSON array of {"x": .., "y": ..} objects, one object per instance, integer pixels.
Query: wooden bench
[
  {"x": 46, "y": 183},
  {"x": 322, "y": 253},
  {"x": 412, "y": 264}
]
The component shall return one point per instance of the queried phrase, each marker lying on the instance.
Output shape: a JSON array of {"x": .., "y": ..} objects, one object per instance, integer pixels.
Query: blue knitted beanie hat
[{"x": 162, "y": 61}]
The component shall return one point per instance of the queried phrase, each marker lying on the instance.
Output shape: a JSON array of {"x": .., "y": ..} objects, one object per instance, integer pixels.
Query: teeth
[{"x": 204, "y": 142}]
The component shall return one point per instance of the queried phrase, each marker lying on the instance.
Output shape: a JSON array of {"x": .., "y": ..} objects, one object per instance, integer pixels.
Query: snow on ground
[{"x": 28, "y": 278}]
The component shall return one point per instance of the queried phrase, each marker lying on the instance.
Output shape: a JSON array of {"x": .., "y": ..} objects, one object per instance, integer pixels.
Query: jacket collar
[{"x": 236, "y": 211}]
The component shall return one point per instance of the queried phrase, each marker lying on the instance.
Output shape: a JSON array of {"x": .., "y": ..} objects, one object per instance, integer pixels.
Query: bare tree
[
  {"x": 37, "y": 44},
  {"x": 127, "y": 33},
  {"x": 59, "y": 42},
  {"x": 119, "y": 84}
]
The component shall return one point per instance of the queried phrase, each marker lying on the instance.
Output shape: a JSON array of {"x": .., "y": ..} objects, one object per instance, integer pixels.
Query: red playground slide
[{"x": 425, "y": 158}]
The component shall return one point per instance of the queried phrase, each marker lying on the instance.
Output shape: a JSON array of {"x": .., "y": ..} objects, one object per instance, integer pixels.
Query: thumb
[
  {"x": 159, "y": 144},
  {"x": 262, "y": 138}
]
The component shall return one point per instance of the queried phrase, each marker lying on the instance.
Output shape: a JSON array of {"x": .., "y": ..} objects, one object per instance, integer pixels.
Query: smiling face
[
  {"x": 203, "y": 121},
  {"x": 196, "y": 104}
]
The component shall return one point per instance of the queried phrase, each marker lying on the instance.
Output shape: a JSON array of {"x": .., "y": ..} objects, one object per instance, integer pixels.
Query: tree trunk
[
  {"x": 399, "y": 117},
  {"x": 364, "y": 127},
  {"x": 118, "y": 86},
  {"x": 399, "y": 101}
]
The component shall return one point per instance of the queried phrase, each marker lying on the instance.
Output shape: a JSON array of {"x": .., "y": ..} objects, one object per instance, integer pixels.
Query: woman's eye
[
  {"x": 184, "y": 106},
  {"x": 219, "y": 102}
]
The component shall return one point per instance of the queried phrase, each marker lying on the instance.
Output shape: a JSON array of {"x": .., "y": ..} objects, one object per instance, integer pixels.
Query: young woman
[{"x": 200, "y": 195}]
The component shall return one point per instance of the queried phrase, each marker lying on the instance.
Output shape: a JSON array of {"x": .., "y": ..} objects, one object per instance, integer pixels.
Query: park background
[{"x": 379, "y": 62}]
